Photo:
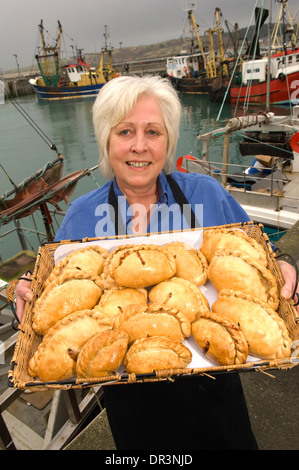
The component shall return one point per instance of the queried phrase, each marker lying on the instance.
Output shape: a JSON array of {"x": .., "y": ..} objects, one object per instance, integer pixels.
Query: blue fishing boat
[{"x": 76, "y": 79}]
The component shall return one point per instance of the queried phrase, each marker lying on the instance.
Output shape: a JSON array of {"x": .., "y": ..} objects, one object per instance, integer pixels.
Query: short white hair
[{"x": 116, "y": 100}]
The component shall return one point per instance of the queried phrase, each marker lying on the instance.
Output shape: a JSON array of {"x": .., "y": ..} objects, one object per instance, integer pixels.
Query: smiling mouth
[{"x": 138, "y": 164}]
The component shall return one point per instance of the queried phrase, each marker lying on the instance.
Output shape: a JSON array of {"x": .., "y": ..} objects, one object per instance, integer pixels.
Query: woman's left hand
[{"x": 289, "y": 274}]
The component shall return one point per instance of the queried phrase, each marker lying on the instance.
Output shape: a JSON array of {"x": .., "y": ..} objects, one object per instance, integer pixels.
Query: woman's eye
[{"x": 125, "y": 132}]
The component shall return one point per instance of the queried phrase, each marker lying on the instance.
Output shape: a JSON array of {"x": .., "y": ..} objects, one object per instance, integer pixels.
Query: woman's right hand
[{"x": 23, "y": 293}]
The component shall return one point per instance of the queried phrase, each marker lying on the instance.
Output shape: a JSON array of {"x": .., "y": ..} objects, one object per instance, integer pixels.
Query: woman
[{"x": 136, "y": 123}]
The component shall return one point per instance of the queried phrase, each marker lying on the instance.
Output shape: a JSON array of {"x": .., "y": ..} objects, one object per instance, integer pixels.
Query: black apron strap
[
  {"x": 178, "y": 194},
  {"x": 182, "y": 200},
  {"x": 120, "y": 229}
]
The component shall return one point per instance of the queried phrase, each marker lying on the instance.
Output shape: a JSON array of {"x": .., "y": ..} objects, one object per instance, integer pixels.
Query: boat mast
[
  {"x": 192, "y": 19},
  {"x": 59, "y": 46},
  {"x": 49, "y": 61},
  {"x": 269, "y": 58},
  {"x": 283, "y": 6},
  {"x": 220, "y": 41},
  {"x": 212, "y": 63}
]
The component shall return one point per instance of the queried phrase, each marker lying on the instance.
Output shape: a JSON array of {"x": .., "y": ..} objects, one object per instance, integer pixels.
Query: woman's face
[{"x": 138, "y": 146}]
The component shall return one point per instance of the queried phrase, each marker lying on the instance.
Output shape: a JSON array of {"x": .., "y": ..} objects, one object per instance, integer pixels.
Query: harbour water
[{"x": 68, "y": 125}]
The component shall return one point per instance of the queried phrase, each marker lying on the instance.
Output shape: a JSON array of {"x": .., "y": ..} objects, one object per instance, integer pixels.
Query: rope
[
  {"x": 33, "y": 124},
  {"x": 237, "y": 62}
]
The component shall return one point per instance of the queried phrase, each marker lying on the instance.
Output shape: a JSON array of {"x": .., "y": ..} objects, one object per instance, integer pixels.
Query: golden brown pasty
[
  {"x": 234, "y": 240},
  {"x": 141, "y": 321},
  {"x": 139, "y": 265},
  {"x": 102, "y": 354},
  {"x": 181, "y": 294},
  {"x": 265, "y": 331},
  {"x": 72, "y": 291},
  {"x": 114, "y": 301},
  {"x": 232, "y": 270},
  {"x": 156, "y": 353},
  {"x": 191, "y": 264},
  {"x": 220, "y": 339},
  {"x": 55, "y": 358},
  {"x": 90, "y": 259}
]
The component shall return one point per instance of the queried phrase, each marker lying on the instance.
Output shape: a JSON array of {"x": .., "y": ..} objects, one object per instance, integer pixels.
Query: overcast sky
[{"x": 132, "y": 22}]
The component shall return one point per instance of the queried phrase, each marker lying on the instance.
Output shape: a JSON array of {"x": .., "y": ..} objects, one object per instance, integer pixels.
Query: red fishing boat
[
  {"x": 272, "y": 78},
  {"x": 284, "y": 80}
]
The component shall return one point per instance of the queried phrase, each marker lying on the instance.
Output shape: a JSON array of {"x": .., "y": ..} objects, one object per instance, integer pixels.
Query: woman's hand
[
  {"x": 289, "y": 274},
  {"x": 23, "y": 293}
]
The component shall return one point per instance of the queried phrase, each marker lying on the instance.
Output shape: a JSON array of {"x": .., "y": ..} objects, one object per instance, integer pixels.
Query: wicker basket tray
[{"x": 28, "y": 340}]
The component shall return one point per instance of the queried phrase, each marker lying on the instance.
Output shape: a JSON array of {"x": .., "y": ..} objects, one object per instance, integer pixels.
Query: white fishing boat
[{"x": 268, "y": 189}]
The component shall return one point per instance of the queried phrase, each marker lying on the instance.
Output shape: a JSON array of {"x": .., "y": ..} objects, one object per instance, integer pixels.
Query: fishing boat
[
  {"x": 268, "y": 189},
  {"x": 279, "y": 68},
  {"x": 76, "y": 79},
  {"x": 197, "y": 70}
]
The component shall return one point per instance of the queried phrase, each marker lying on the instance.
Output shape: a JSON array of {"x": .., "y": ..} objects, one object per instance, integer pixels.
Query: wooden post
[{"x": 225, "y": 156}]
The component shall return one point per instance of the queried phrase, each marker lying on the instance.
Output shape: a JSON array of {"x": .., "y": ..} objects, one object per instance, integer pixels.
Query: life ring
[
  {"x": 185, "y": 69},
  {"x": 180, "y": 161},
  {"x": 281, "y": 77},
  {"x": 294, "y": 142}
]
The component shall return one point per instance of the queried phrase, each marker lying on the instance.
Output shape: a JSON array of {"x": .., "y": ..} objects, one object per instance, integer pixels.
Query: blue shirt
[{"x": 90, "y": 216}]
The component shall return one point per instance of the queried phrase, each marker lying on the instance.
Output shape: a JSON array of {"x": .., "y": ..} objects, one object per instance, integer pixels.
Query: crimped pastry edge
[
  {"x": 156, "y": 309},
  {"x": 113, "y": 261},
  {"x": 184, "y": 354},
  {"x": 228, "y": 293},
  {"x": 241, "y": 234},
  {"x": 197, "y": 253},
  {"x": 100, "y": 341},
  {"x": 59, "y": 267},
  {"x": 273, "y": 296},
  {"x": 238, "y": 337},
  {"x": 79, "y": 314}
]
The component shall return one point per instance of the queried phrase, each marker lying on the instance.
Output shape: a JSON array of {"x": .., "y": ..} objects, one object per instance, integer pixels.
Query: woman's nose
[{"x": 139, "y": 142}]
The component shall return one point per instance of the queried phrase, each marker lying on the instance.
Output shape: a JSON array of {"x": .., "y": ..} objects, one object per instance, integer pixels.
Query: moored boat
[
  {"x": 284, "y": 79},
  {"x": 268, "y": 189},
  {"x": 197, "y": 70},
  {"x": 76, "y": 79},
  {"x": 274, "y": 77}
]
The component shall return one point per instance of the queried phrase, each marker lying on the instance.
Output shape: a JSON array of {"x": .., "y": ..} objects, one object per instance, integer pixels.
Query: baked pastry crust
[
  {"x": 155, "y": 353},
  {"x": 233, "y": 270},
  {"x": 55, "y": 358},
  {"x": 114, "y": 300},
  {"x": 141, "y": 321},
  {"x": 264, "y": 329},
  {"x": 102, "y": 354},
  {"x": 72, "y": 291},
  {"x": 191, "y": 264},
  {"x": 234, "y": 240},
  {"x": 220, "y": 339},
  {"x": 90, "y": 259},
  {"x": 139, "y": 265},
  {"x": 181, "y": 294}
]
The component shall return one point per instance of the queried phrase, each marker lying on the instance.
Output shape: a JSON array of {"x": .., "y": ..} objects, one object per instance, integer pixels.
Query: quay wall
[{"x": 14, "y": 88}]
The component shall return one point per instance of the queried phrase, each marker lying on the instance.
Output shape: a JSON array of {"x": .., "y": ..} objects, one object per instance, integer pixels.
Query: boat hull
[
  {"x": 191, "y": 85},
  {"x": 66, "y": 92},
  {"x": 282, "y": 91}
]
